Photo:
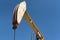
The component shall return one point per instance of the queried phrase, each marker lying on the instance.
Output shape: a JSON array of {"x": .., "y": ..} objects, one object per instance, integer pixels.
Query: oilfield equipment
[{"x": 20, "y": 12}]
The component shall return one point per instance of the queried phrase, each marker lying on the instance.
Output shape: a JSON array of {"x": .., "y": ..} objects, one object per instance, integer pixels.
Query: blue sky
[{"x": 45, "y": 14}]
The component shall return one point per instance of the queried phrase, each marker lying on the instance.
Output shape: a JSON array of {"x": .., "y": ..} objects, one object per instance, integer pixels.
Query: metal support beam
[{"x": 33, "y": 26}]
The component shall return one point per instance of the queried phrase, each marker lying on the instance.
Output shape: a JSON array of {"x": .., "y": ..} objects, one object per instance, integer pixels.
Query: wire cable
[
  {"x": 14, "y": 34},
  {"x": 32, "y": 35}
]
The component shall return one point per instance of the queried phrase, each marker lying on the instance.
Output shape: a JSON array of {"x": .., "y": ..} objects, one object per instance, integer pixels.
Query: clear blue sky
[{"x": 45, "y": 14}]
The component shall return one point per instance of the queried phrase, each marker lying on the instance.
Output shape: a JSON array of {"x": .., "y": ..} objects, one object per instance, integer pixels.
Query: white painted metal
[{"x": 21, "y": 10}]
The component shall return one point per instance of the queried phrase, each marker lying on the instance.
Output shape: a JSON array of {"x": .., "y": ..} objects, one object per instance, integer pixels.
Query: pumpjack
[{"x": 20, "y": 12}]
